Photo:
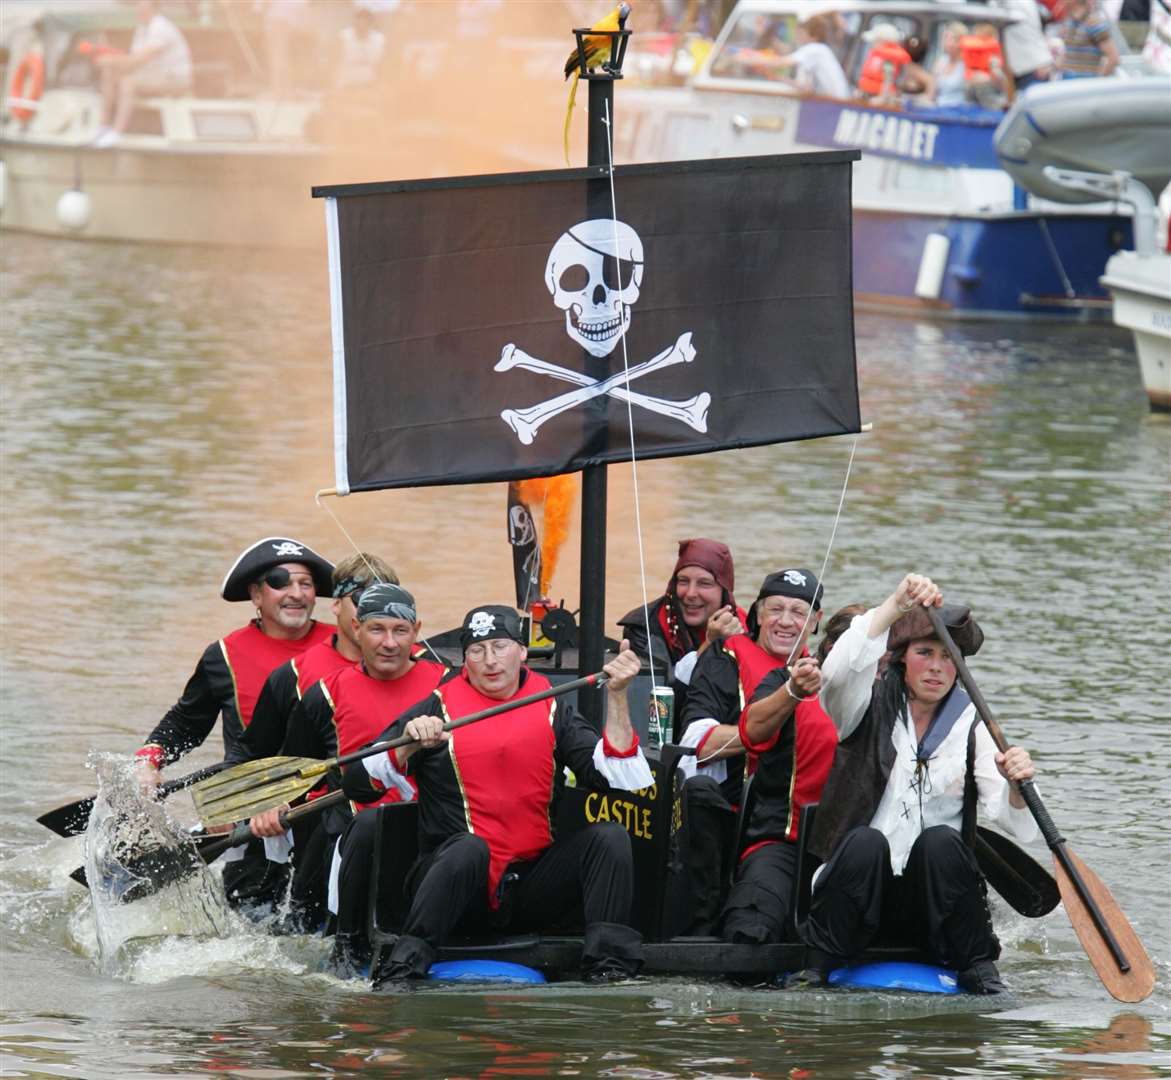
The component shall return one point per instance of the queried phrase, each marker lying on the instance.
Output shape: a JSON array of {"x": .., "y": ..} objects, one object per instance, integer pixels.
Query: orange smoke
[{"x": 554, "y": 497}]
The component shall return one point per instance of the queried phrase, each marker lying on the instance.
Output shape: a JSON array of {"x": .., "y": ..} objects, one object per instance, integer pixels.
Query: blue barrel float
[
  {"x": 494, "y": 971},
  {"x": 890, "y": 975}
]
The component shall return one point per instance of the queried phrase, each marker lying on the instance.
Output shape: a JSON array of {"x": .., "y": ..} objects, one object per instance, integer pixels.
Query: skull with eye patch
[{"x": 594, "y": 272}]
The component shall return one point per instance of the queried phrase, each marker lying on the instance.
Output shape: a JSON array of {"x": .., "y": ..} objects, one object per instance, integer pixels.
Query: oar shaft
[
  {"x": 597, "y": 679},
  {"x": 1028, "y": 792}
]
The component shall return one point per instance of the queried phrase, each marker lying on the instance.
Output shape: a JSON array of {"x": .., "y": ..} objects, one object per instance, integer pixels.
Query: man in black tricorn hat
[
  {"x": 282, "y": 578},
  {"x": 786, "y": 611},
  {"x": 898, "y": 816},
  {"x": 488, "y": 857}
]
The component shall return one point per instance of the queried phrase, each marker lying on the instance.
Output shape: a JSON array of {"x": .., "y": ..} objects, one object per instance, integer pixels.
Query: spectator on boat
[
  {"x": 488, "y": 857},
  {"x": 1088, "y": 46},
  {"x": 951, "y": 86},
  {"x": 984, "y": 70},
  {"x": 915, "y": 81},
  {"x": 696, "y": 610},
  {"x": 794, "y": 740},
  {"x": 284, "y": 20},
  {"x": 344, "y": 710},
  {"x": 785, "y": 613},
  {"x": 1026, "y": 50},
  {"x": 159, "y": 62},
  {"x": 281, "y": 578},
  {"x": 1157, "y": 47},
  {"x": 818, "y": 70},
  {"x": 363, "y": 47},
  {"x": 885, "y": 59},
  {"x": 897, "y": 816}
]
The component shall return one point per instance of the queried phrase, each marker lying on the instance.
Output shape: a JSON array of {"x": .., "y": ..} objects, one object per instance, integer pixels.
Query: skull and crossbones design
[{"x": 594, "y": 273}]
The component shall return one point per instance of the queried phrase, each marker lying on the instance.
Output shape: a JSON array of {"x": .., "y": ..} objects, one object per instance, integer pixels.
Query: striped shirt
[{"x": 1082, "y": 37}]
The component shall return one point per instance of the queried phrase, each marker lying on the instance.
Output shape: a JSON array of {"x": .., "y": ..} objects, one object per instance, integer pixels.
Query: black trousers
[
  {"x": 938, "y": 904},
  {"x": 357, "y": 866},
  {"x": 760, "y": 903},
  {"x": 709, "y": 853},
  {"x": 591, "y": 867}
]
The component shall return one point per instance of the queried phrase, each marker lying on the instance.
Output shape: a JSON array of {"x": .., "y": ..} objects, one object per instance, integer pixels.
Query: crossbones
[{"x": 526, "y": 422}]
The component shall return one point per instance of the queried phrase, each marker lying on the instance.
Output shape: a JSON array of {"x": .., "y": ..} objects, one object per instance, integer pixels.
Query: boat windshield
[{"x": 756, "y": 41}]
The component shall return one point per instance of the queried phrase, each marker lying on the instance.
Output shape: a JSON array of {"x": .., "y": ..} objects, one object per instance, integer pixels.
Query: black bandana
[{"x": 386, "y": 601}]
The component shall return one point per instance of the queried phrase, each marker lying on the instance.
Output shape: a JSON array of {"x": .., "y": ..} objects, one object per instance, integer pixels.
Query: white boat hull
[
  {"x": 1141, "y": 287},
  {"x": 254, "y": 198}
]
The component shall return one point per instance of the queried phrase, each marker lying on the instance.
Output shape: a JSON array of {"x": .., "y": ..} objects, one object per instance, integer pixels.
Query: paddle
[
  {"x": 71, "y": 819},
  {"x": 240, "y": 792},
  {"x": 153, "y": 870},
  {"x": 1107, "y": 937}
]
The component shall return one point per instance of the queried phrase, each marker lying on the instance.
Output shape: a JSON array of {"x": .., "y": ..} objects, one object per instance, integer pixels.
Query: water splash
[{"x": 145, "y": 879}]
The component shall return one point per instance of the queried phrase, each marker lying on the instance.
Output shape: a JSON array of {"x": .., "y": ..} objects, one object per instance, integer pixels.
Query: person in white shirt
[
  {"x": 818, "y": 69},
  {"x": 1025, "y": 49},
  {"x": 363, "y": 47},
  {"x": 897, "y": 813},
  {"x": 159, "y": 62}
]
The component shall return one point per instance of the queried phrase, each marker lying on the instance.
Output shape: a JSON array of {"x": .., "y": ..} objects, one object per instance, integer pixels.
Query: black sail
[{"x": 477, "y": 322}]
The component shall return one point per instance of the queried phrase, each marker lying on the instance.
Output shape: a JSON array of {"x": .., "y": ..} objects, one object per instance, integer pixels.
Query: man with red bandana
[
  {"x": 696, "y": 610},
  {"x": 488, "y": 857},
  {"x": 786, "y": 611}
]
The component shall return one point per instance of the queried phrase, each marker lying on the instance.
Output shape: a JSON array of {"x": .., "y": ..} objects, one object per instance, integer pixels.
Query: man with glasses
[
  {"x": 786, "y": 611},
  {"x": 488, "y": 858}
]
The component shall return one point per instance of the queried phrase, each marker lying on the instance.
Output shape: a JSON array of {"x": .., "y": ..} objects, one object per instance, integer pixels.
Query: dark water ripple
[{"x": 162, "y": 408}]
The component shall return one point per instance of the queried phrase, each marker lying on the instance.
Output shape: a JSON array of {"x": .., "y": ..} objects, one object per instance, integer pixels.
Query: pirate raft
[
  {"x": 526, "y": 326},
  {"x": 514, "y": 327}
]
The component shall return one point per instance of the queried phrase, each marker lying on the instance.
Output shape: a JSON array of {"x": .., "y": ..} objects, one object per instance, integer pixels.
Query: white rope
[
  {"x": 373, "y": 573},
  {"x": 629, "y": 406},
  {"x": 829, "y": 547},
  {"x": 820, "y": 581}
]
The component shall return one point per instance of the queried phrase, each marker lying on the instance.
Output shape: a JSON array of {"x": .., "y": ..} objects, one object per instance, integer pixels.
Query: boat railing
[{"x": 1118, "y": 186}]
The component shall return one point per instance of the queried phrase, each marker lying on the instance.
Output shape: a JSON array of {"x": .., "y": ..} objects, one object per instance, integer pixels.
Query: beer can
[{"x": 661, "y": 721}]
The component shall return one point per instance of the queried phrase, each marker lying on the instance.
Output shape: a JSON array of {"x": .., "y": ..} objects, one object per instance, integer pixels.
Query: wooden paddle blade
[
  {"x": 1134, "y": 985},
  {"x": 238, "y": 793}
]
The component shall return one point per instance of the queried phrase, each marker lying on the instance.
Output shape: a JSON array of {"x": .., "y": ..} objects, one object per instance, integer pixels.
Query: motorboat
[
  {"x": 231, "y": 161},
  {"x": 1075, "y": 142},
  {"x": 220, "y": 164},
  {"x": 940, "y": 227}
]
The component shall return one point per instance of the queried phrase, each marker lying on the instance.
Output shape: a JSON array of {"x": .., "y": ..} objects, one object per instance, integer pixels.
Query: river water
[{"x": 163, "y": 408}]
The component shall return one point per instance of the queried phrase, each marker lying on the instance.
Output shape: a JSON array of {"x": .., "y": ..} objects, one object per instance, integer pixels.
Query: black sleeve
[
  {"x": 770, "y": 684},
  {"x": 714, "y": 691},
  {"x": 264, "y": 736},
  {"x": 356, "y": 780},
  {"x": 311, "y": 731},
  {"x": 632, "y": 627},
  {"x": 189, "y": 721}
]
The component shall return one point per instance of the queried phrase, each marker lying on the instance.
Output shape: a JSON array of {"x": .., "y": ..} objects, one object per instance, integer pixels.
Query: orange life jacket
[
  {"x": 873, "y": 70},
  {"x": 978, "y": 54}
]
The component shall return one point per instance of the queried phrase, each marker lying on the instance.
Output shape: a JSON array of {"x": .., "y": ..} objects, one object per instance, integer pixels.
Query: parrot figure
[{"x": 597, "y": 54}]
